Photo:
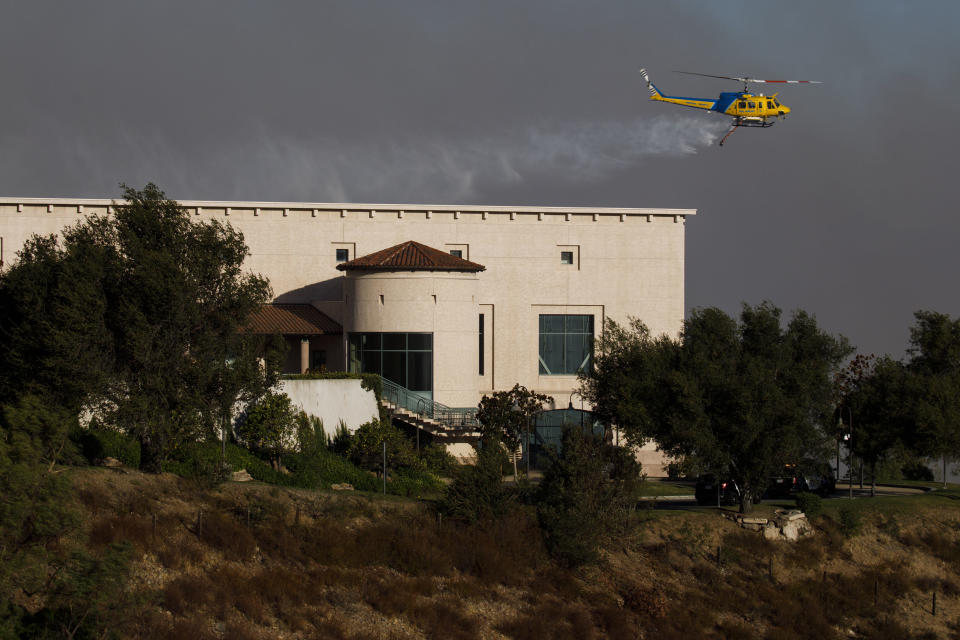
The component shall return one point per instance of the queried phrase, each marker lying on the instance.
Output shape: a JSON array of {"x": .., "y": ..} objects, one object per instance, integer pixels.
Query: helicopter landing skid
[{"x": 746, "y": 123}]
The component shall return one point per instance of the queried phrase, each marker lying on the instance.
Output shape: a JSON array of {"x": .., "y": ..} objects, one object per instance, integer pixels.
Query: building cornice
[{"x": 362, "y": 207}]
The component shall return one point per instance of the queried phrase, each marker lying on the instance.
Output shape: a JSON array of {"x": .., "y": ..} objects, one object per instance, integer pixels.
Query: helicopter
[{"x": 747, "y": 109}]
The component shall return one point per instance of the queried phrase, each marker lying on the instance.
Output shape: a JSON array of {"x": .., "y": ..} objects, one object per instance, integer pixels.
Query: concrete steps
[{"x": 443, "y": 432}]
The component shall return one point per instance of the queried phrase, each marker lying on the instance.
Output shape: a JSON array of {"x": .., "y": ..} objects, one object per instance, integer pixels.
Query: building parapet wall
[{"x": 226, "y": 208}]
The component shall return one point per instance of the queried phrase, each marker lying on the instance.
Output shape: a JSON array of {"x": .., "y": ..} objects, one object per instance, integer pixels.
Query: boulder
[{"x": 241, "y": 476}]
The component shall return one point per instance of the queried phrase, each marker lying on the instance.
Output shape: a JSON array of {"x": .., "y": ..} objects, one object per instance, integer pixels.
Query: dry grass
[{"x": 357, "y": 566}]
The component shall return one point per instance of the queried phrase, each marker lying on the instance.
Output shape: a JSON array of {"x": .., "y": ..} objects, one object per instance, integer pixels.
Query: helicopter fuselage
[{"x": 746, "y": 107}]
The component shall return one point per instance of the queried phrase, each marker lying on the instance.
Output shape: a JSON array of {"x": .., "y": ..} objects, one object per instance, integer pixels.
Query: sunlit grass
[{"x": 663, "y": 487}]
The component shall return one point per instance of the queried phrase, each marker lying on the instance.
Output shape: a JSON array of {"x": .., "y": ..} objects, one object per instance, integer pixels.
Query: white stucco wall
[
  {"x": 332, "y": 401},
  {"x": 626, "y": 262},
  {"x": 437, "y": 302}
]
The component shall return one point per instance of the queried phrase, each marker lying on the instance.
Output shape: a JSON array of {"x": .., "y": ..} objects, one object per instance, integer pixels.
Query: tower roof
[{"x": 410, "y": 256}]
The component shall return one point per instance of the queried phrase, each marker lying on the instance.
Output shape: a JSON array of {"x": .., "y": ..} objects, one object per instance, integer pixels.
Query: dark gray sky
[{"x": 845, "y": 210}]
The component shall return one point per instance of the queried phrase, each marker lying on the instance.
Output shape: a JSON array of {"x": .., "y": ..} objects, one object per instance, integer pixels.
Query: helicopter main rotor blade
[
  {"x": 707, "y": 75},
  {"x": 755, "y": 80},
  {"x": 781, "y": 81}
]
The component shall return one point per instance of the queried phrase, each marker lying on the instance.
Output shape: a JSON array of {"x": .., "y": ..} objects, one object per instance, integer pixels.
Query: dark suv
[
  {"x": 809, "y": 476},
  {"x": 709, "y": 491}
]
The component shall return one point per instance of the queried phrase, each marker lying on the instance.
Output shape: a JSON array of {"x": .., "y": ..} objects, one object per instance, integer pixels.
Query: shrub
[
  {"x": 323, "y": 468},
  {"x": 917, "y": 471},
  {"x": 850, "y": 520},
  {"x": 367, "y": 447},
  {"x": 809, "y": 503},
  {"x": 310, "y": 435},
  {"x": 84, "y": 598},
  {"x": 265, "y": 424},
  {"x": 98, "y": 443},
  {"x": 437, "y": 459},
  {"x": 340, "y": 442},
  {"x": 586, "y": 495},
  {"x": 201, "y": 461},
  {"x": 477, "y": 491},
  {"x": 413, "y": 483}
]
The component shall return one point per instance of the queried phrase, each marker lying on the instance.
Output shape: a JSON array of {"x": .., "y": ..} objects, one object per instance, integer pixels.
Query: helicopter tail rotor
[{"x": 654, "y": 92}]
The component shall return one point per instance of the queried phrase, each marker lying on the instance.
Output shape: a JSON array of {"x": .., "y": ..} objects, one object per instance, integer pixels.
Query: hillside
[{"x": 252, "y": 561}]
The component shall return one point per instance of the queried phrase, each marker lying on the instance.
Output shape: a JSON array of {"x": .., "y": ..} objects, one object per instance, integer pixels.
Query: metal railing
[{"x": 460, "y": 418}]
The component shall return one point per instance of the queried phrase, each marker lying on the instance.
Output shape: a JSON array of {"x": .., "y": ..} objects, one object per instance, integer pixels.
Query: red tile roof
[
  {"x": 410, "y": 256},
  {"x": 292, "y": 319}
]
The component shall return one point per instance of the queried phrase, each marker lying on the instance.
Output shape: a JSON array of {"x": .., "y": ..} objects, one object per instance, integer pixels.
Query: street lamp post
[
  {"x": 570, "y": 405},
  {"x": 849, "y": 438}
]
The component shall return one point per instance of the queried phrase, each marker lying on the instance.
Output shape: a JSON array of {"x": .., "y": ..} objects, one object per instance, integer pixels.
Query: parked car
[
  {"x": 709, "y": 491},
  {"x": 810, "y": 476}
]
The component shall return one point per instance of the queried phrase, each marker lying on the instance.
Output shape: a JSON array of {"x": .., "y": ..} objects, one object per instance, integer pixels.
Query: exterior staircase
[{"x": 448, "y": 424}]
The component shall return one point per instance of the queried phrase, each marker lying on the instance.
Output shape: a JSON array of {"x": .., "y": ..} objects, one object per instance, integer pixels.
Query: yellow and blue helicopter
[{"x": 746, "y": 109}]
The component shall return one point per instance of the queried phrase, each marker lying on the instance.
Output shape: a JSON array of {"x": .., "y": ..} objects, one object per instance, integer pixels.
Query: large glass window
[
  {"x": 403, "y": 358},
  {"x": 566, "y": 344}
]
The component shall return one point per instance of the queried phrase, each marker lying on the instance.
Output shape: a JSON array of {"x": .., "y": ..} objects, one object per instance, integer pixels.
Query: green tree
[
  {"x": 367, "y": 446},
  {"x": 739, "y": 398},
  {"x": 54, "y": 339},
  {"x": 876, "y": 399},
  {"x": 934, "y": 386},
  {"x": 586, "y": 495},
  {"x": 266, "y": 424},
  {"x": 138, "y": 315},
  {"x": 508, "y": 415}
]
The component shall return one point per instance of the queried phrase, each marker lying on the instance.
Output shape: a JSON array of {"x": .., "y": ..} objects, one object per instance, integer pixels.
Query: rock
[
  {"x": 754, "y": 521},
  {"x": 346, "y": 486},
  {"x": 771, "y": 532},
  {"x": 791, "y": 531},
  {"x": 241, "y": 476},
  {"x": 111, "y": 462}
]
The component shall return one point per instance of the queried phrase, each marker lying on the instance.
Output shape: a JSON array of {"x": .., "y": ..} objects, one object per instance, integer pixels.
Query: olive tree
[
  {"x": 137, "y": 315},
  {"x": 507, "y": 415},
  {"x": 739, "y": 397}
]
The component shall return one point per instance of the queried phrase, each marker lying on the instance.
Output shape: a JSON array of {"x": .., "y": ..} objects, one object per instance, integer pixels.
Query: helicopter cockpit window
[{"x": 775, "y": 102}]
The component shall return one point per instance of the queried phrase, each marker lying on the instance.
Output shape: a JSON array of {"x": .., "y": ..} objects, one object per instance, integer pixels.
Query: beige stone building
[{"x": 474, "y": 300}]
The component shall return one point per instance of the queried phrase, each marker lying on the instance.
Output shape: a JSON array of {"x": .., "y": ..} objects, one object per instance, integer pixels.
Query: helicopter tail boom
[{"x": 696, "y": 103}]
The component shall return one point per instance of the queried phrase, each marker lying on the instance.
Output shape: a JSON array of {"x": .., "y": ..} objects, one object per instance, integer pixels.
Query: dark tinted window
[{"x": 566, "y": 344}]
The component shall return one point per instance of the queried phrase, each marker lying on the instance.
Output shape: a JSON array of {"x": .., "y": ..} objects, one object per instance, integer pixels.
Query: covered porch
[{"x": 314, "y": 340}]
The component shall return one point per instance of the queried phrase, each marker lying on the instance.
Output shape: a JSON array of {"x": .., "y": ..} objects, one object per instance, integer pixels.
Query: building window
[
  {"x": 456, "y": 253},
  {"x": 566, "y": 344},
  {"x": 566, "y": 257},
  {"x": 343, "y": 255},
  {"x": 405, "y": 359},
  {"x": 481, "y": 344}
]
